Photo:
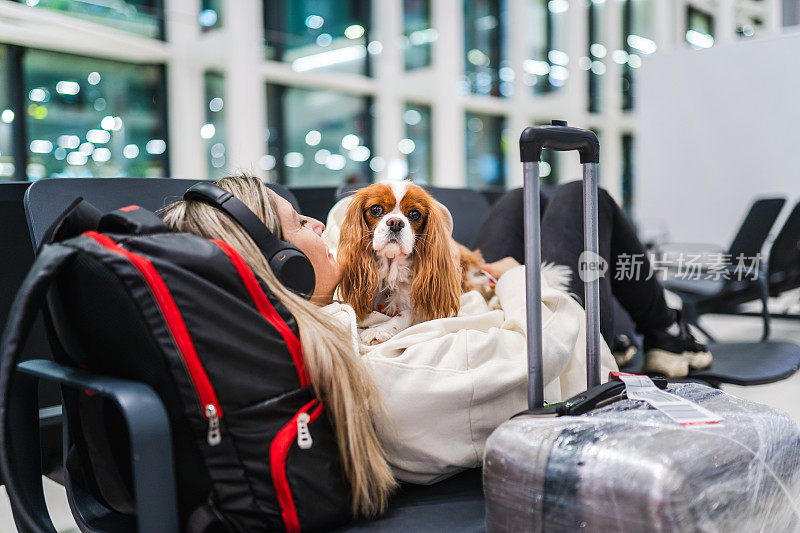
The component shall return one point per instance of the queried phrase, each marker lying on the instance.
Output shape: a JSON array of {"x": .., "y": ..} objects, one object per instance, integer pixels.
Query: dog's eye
[
  {"x": 414, "y": 215},
  {"x": 376, "y": 210}
]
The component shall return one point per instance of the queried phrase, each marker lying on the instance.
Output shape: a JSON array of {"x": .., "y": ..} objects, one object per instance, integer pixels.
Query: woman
[
  {"x": 445, "y": 384},
  {"x": 339, "y": 379}
]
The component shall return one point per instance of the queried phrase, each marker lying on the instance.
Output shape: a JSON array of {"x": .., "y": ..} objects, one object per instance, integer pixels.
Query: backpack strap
[
  {"x": 78, "y": 217},
  {"x": 19, "y": 426},
  {"x": 101, "y": 461}
]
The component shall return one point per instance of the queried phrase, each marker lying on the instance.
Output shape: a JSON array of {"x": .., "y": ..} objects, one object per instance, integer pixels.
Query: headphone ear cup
[{"x": 295, "y": 271}]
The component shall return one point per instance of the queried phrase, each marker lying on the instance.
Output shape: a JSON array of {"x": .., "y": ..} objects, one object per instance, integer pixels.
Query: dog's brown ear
[
  {"x": 436, "y": 290},
  {"x": 359, "y": 273}
]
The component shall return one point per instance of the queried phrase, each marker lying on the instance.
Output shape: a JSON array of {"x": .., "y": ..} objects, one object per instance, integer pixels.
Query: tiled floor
[{"x": 784, "y": 395}]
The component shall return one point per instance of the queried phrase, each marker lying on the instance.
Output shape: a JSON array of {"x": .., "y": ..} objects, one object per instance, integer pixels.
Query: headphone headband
[
  {"x": 288, "y": 263},
  {"x": 209, "y": 193}
]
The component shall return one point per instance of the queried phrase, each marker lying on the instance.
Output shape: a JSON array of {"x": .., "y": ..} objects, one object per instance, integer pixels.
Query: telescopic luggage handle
[{"x": 560, "y": 137}]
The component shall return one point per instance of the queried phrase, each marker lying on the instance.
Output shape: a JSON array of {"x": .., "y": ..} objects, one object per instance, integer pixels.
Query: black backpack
[{"x": 128, "y": 298}]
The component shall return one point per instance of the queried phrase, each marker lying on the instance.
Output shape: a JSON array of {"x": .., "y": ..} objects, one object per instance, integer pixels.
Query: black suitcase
[{"x": 602, "y": 461}]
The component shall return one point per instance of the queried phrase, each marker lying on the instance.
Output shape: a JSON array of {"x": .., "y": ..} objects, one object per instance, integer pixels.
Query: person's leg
[
  {"x": 670, "y": 347},
  {"x": 502, "y": 233},
  {"x": 562, "y": 244}
]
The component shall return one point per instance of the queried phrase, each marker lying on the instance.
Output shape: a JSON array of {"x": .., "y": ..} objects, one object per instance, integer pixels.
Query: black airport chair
[
  {"x": 739, "y": 363},
  {"x": 701, "y": 296},
  {"x": 15, "y": 262},
  {"x": 783, "y": 267}
]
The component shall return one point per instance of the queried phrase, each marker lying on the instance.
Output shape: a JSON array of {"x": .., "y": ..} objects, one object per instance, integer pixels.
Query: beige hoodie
[{"x": 446, "y": 384}]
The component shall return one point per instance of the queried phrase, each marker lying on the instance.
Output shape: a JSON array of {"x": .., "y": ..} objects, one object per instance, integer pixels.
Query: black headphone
[{"x": 288, "y": 263}]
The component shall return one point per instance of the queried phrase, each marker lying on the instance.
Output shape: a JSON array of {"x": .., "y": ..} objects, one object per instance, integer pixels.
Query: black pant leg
[
  {"x": 562, "y": 244},
  {"x": 643, "y": 298},
  {"x": 502, "y": 234}
]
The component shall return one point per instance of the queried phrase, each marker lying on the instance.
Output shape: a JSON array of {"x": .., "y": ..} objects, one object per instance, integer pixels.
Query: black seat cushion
[
  {"x": 455, "y": 504},
  {"x": 742, "y": 363}
]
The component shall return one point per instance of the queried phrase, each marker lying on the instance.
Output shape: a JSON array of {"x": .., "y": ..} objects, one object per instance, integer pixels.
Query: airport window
[
  {"x": 749, "y": 27},
  {"x": 550, "y": 165},
  {"x": 210, "y": 16},
  {"x": 417, "y": 144},
  {"x": 318, "y": 137},
  {"x": 546, "y": 67},
  {"x": 484, "y": 53},
  {"x": 627, "y": 172},
  {"x": 418, "y": 35},
  {"x": 319, "y": 35},
  {"x": 7, "y": 117},
  {"x": 143, "y": 17},
  {"x": 213, "y": 131},
  {"x": 595, "y": 61},
  {"x": 637, "y": 36},
  {"x": 485, "y": 151},
  {"x": 89, "y": 117},
  {"x": 699, "y": 28}
]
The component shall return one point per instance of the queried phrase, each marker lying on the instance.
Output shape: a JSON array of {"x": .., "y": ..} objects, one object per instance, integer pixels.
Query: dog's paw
[{"x": 376, "y": 335}]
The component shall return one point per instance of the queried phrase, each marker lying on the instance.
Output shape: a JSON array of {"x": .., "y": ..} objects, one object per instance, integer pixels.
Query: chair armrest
[{"x": 150, "y": 438}]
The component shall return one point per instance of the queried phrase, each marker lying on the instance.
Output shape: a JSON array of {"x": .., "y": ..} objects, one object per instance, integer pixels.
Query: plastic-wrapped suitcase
[{"x": 602, "y": 461}]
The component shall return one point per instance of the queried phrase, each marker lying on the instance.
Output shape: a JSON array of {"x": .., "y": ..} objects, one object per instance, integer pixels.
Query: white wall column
[
  {"x": 185, "y": 96},
  {"x": 725, "y": 22},
  {"x": 245, "y": 90},
  {"x": 664, "y": 16},
  {"x": 387, "y": 22},
  {"x": 611, "y": 101},
  {"x": 577, "y": 46},
  {"x": 517, "y": 54},
  {"x": 449, "y": 125}
]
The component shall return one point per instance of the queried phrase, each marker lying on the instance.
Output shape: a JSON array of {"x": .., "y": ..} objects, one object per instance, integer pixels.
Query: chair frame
[{"x": 151, "y": 453}]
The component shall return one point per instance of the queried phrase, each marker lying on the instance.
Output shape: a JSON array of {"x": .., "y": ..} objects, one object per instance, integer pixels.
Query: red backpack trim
[{"x": 174, "y": 320}]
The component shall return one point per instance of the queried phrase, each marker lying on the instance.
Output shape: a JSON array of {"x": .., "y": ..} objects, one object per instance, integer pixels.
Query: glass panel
[
  {"x": 210, "y": 15},
  {"x": 318, "y": 137},
  {"x": 597, "y": 56},
  {"x": 749, "y": 27},
  {"x": 546, "y": 67},
  {"x": 213, "y": 131},
  {"x": 417, "y": 144},
  {"x": 483, "y": 48},
  {"x": 7, "y": 117},
  {"x": 486, "y": 146},
  {"x": 627, "y": 172},
  {"x": 319, "y": 35},
  {"x": 637, "y": 34},
  {"x": 699, "y": 28},
  {"x": 93, "y": 117},
  {"x": 418, "y": 35},
  {"x": 550, "y": 166},
  {"x": 144, "y": 17}
]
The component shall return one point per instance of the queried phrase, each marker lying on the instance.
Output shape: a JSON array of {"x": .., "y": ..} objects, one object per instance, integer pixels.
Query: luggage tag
[{"x": 681, "y": 410}]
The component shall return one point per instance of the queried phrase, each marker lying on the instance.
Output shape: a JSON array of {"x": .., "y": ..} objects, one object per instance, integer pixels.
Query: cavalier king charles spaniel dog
[{"x": 399, "y": 260}]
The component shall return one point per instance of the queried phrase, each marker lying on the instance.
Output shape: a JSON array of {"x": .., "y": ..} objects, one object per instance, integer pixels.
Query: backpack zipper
[
  {"x": 214, "y": 435},
  {"x": 296, "y": 430},
  {"x": 303, "y": 435}
]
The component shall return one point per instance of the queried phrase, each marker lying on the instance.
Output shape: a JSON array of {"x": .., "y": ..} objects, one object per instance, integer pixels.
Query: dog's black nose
[{"x": 395, "y": 224}]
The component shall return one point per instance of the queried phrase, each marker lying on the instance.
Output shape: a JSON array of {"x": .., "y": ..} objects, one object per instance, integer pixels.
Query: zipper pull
[
  {"x": 303, "y": 435},
  {"x": 214, "y": 434}
]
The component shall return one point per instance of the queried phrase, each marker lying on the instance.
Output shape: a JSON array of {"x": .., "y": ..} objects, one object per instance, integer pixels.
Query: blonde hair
[{"x": 337, "y": 375}]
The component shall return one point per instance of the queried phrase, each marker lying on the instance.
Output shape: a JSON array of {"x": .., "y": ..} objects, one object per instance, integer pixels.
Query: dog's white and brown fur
[{"x": 398, "y": 258}]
